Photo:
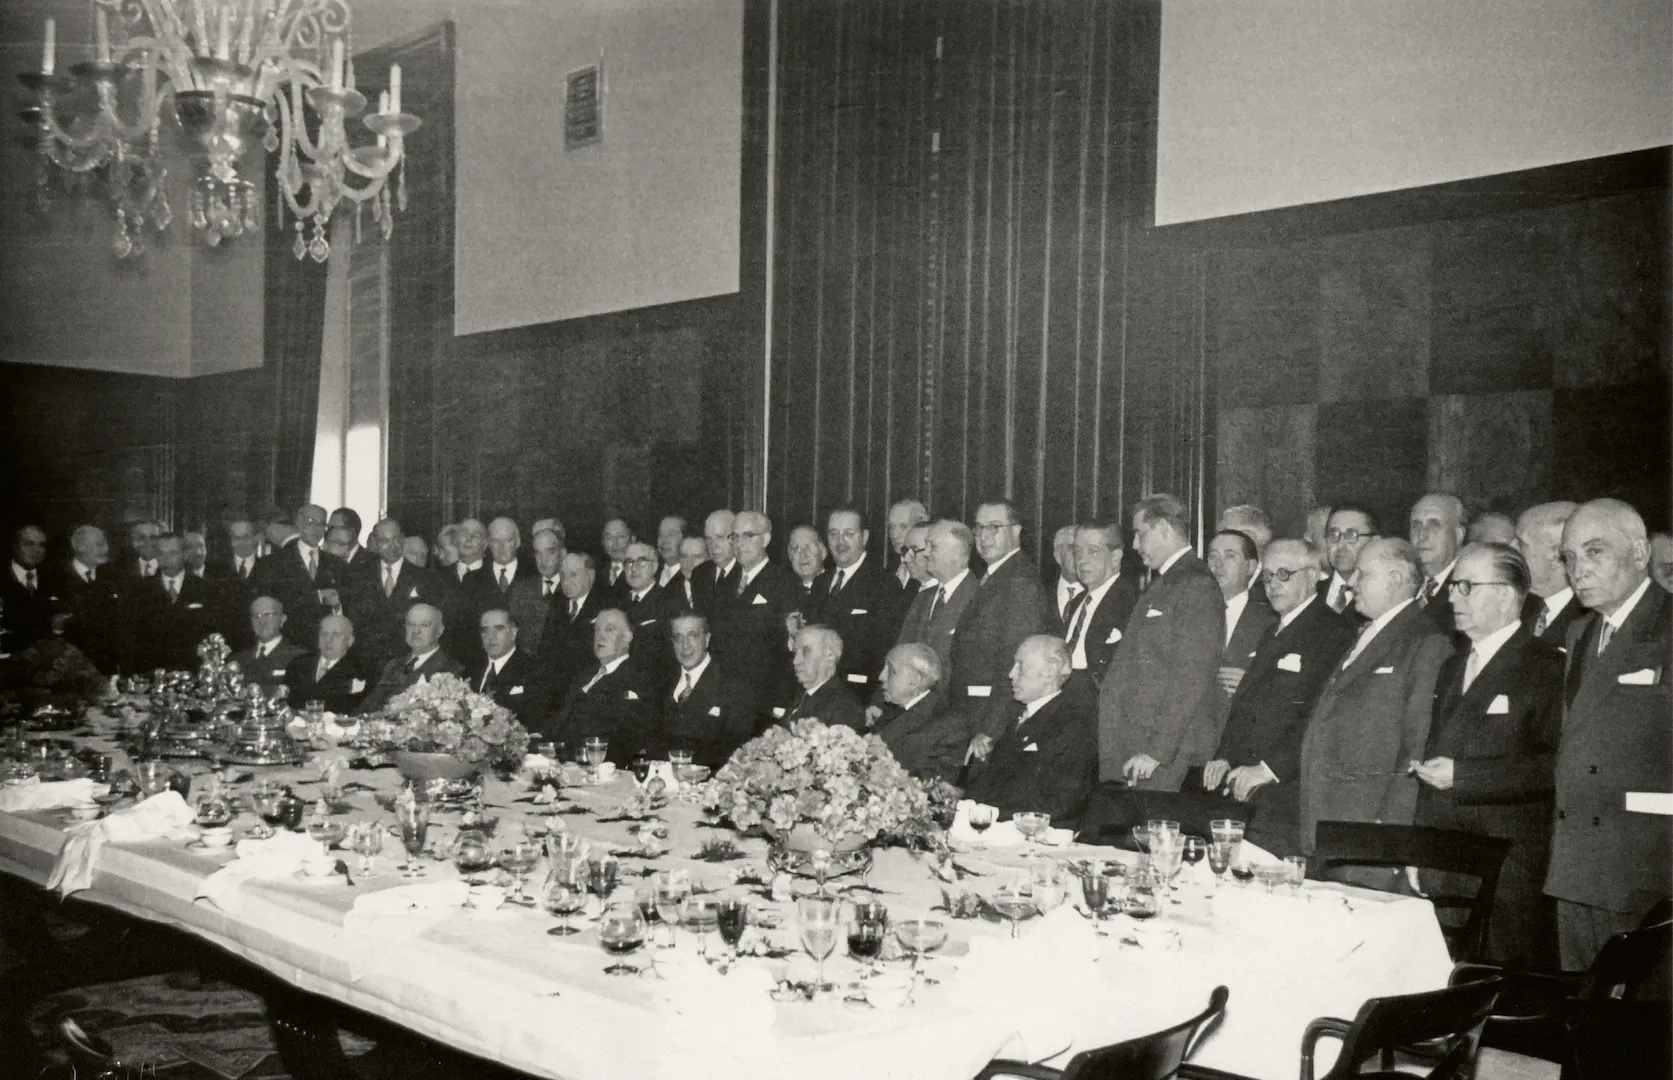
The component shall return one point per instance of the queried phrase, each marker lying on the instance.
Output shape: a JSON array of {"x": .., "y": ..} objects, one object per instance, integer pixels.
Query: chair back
[
  {"x": 1150, "y": 1057},
  {"x": 1448, "y": 1022},
  {"x": 1629, "y": 959},
  {"x": 1362, "y": 843}
]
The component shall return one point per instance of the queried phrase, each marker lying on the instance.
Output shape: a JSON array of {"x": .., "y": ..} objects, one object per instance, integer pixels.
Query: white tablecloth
[{"x": 492, "y": 982}]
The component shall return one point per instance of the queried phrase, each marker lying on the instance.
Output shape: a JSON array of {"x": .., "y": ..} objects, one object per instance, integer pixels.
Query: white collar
[
  {"x": 1619, "y": 618},
  {"x": 468, "y": 566},
  {"x": 614, "y": 664},
  {"x": 499, "y": 665},
  {"x": 727, "y": 569},
  {"x": 1095, "y": 595},
  {"x": 1167, "y": 564},
  {"x": 265, "y": 648},
  {"x": 640, "y": 594},
  {"x": 1037, "y": 704},
  {"x": 510, "y": 569},
  {"x": 304, "y": 549},
  {"x": 178, "y": 579},
  {"x": 848, "y": 572},
  {"x": 667, "y": 573},
  {"x": 1337, "y": 584},
  {"x": 820, "y": 686},
  {"x": 1374, "y": 627},
  {"x": 1446, "y": 572},
  {"x": 908, "y": 707},
  {"x": 1001, "y": 561},
  {"x": 1068, "y": 590},
  {"x": 948, "y": 588},
  {"x": 750, "y": 574},
  {"x": 392, "y": 569},
  {"x": 1291, "y": 615},
  {"x": 1234, "y": 611},
  {"x": 693, "y": 673},
  {"x": 1488, "y": 647},
  {"x": 22, "y": 572},
  {"x": 424, "y": 658},
  {"x": 81, "y": 568},
  {"x": 1557, "y": 601}
]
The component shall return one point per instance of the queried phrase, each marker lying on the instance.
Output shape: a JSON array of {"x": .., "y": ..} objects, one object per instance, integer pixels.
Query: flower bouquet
[
  {"x": 817, "y": 789},
  {"x": 440, "y": 727}
]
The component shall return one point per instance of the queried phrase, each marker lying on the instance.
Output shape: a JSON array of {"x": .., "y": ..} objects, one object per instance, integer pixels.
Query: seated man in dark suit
[
  {"x": 424, "y": 658},
  {"x": 171, "y": 611},
  {"x": 825, "y": 697},
  {"x": 616, "y": 702},
  {"x": 510, "y": 675},
  {"x": 708, "y": 712},
  {"x": 332, "y": 674},
  {"x": 926, "y": 741},
  {"x": 266, "y": 662},
  {"x": 1047, "y": 759},
  {"x": 27, "y": 614}
]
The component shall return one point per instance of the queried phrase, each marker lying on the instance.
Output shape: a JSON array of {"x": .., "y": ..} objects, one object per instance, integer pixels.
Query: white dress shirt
[
  {"x": 1234, "y": 612},
  {"x": 1066, "y": 593},
  {"x": 689, "y": 676},
  {"x": 1483, "y": 651},
  {"x": 1167, "y": 564},
  {"x": 1375, "y": 627},
  {"x": 1083, "y": 618},
  {"x": 1035, "y": 706}
]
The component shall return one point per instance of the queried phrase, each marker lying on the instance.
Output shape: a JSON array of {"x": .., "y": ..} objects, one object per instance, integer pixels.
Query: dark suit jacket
[
  {"x": 395, "y": 677},
  {"x": 621, "y": 707},
  {"x": 270, "y": 671},
  {"x": 1007, "y": 606},
  {"x": 915, "y": 619},
  {"x": 1556, "y": 631},
  {"x": 747, "y": 633},
  {"x": 1057, "y": 774},
  {"x": 98, "y": 624},
  {"x": 867, "y": 613},
  {"x": 166, "y": 634},
  {"x": 27, "y": 617},
  {"x": 707, "y": 591},
  {"x": 232, "y": 595},
  {"x": 1159, "y": 697},
  {"x": 338, "y": 690},
  {"x": 1502, "y": 735},
  {"x": 832, "y": 704},
  {"x": 1109, "y": 623},
  {"x": 1252, "y": 626},
  {"x": 532, "y": 611},
  {"x": 926, "y": 741},
  {"x": 1370, "y": 721},
  {"x": 1439, "y": 610},
  {"x": 284, "y": 576},
  {"x": 380, "y": 622},
  {"x": 477, "y": 592},
  {"x": 520, "y": 686},
  {"x": 566, "y": 647},
  {"x": 1615, "y": 739},
  {"x": 714, "y": 720},
  {"x": 1350, "y": 613},
  {"x": 651, "y": 618}
]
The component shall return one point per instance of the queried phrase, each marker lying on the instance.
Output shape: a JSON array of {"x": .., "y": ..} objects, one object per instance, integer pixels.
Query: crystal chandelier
[{"x": 234, "y": 73}]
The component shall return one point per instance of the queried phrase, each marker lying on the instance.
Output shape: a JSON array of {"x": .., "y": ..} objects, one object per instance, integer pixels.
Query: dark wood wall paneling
[
  {"x": 1505, "y": 338},
  {"x": 967, "y": 299}
]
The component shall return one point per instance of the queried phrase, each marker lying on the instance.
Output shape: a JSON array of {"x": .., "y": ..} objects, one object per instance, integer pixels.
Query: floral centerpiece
[
  {"x": 815, "y": 786},
  {"x": 439, "y": 726}
]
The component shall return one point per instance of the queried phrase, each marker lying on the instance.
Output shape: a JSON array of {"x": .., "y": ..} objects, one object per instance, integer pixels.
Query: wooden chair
[
  {"x": 1438, "y": 1031},
  {"x": 1150, "y": 1057},
  {"x": 1341, "y": 844}
]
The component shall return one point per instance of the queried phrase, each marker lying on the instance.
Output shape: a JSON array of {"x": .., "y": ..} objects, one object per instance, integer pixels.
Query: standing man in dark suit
[
  {"x": 1233, "y": 560},
  {"x": 649, "y": 611},
  {"x": 1372, "y": 718},
  {"x": 384, "y": 591},
  {"x": 1347, "y": 530},
  {"x": 91, "y": 596},
  {"x": 859, "y": 599},
  {"x": 806, "y": 554},
  {"x": 708, "y": 712},
  {"x": 825, "y": 697},
  {"x": 1158, "y": 712},
  {"x": 1254, "y": 523},
  {"x": 567, "y": 642},
  {"x": 1610, "y": 864},
  {"x": 669, "y": 532},
  {"x": 508, "y": 674},
  {"x": 1008, "y": 606},
  {"x": 1438, "y": 526},
  {"x": 1067, "y": 588},
  {"x": 139, "y": 561},
  {"x": 716, "y": 581},
  {"x": 617, "y": 535},
  {"x": 904, "y": 516},
  {"x": 927, "y": 742},
  {"x": 616, "y": 702},
  {"x": 1046, "y": 758},
  {"x": 424, "y": 658},
  {"x": 233, "y": 582},
  {"x": 933, "y": 617},
  {"x": 334, "y": 674},
  {"x": 27, "y": 614},
  {"x": 748, "y": 626},
  {"x": 1488, "y": 766},
  {"x": 533, "y": 596},
  {"x": 302, "y": 575},
  {"x": 1098, "y": 617},
  {"x": 267, "y": 661},
  {"x": 1258, "y": 762},
  {"x": 348, "y": 520},
  {"x": 171, "y": 610},
  {"x": 694, "y": 553},
  {"x": 1550, "y": 606}
]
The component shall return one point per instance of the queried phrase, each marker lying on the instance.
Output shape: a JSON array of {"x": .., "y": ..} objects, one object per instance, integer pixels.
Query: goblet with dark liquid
[
  {"x": 641, "y": 768},
  {"x": 867, "y": 928},
  {"x": 621, "y": 930},
  {"x": 732, "y": 917},
  {"x": 470, "y": 857},
  {"x": 566, "y": 893},
  {"x": 980, "y": 818}
]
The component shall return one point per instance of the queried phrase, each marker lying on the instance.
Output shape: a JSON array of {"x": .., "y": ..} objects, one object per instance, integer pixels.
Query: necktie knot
[
  {"x": 412, "y": 664},
  {"x": 29, "y": 580},
  {"x": 685, "y": 688},
  {"x": 546, "y": 587},
  {"x": 836, "y": 586},
  {"x": 1604, "y": 634}
]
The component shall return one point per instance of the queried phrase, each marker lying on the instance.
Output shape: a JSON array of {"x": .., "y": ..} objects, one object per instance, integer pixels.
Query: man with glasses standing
[
  {"x": 648, "y": 608},
  {"x": 1488, "y": 765},
  {"x": 1006, "y": 608},
  {"x": 904, "y": 515},
  {"x": 749, "y": 612},
  {"x": 1348, "y": 529},
  {"x": 1438, "y": 527}
]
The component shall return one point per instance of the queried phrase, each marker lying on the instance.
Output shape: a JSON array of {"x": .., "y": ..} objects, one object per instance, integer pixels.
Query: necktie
[
  {"x": 388, "y": 580},
  {"x": 92, "y": 575},
  {"x": 244, "y": 569},
  {"x": 313, "y": 563},
  {"x": 592, "y": 682},
  {"x": 29, "y": 580},
  {"x": 173, "y": 590},
  {"x": 324, "y": 666},
  {"x": 574, "y": 609},
  {"x": 685, "y": 688},
  {"x": 148, "y": 568},
  {"x": 1074, "y": 591},
  {"x": 743, "y": 584},
  {"x": 505, "y": 579},
  {"x": 836, "y": 586},
  {"x": 487, "y": 677},
  {"x": 1544, "y": 620},
  {"x": 936, "y": 601},
  {"x": 1344, "y": 596},
  {"x": 412, "y": 664},
  {"x": 1604, "y": 633},
  {"x": 1079, "y": 625},
  {"x": 545, "y": 587},
  {"x": 1429, "y": 587},
  {"x": 1472, "y": 668},
  {"x": 1359, "y": 643}
]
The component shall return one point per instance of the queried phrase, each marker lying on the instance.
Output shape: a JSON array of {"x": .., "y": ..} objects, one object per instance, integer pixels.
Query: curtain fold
[{"x": 292, "y": 320}]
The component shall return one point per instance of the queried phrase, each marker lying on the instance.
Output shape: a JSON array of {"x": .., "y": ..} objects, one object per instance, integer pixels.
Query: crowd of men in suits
[{"x": 1509, "y": 677}]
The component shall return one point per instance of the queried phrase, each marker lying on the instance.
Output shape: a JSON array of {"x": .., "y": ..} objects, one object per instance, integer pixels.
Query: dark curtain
[
  {"x": 969, "y": 298},
  {"x": 293, "y": 316}
]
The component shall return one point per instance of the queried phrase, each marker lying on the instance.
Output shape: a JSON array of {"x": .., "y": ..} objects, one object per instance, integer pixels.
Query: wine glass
[
  {"x": 866, "y": 930},
  {"x": 732, "y": 916},
  {"x": 678, "y": 758},
  {"x": 1031, "y": 823},
  {"x": 817, "y": 918},
  {"x": 595, "y": 750},
  {"x": 414, "y": 820},
  {"x": 601, "y": 875},
  {"x": 519, "y": 859},
  {"x": 1046, "y": 882},
  {"x": 1095, "y": 890},
  {"x": 1195, "y": 849},
  {"x": 1141, "y": 838},
  {"x": 980, "y": 817},
  {"x": 920, "y": 936},
  {"x": 1015, "y": 901},
  {"x": 1160, "y": 826},
  {"x": 566, "y": 893},
  {"x": 700, "y": 914},
  {"x": 470, "y": 857},
  {"x": 1219, "y": 860},
  {"x": 641, "y": 766},
  {"x": 1167, "y": 853},
  {"x": 672, "y": 887},
  {"x": 366, "y": 841},
  {"x": 1297, "y": 866},
  {"x": 621, "y": 930},
  {"x": 1142, "y": 900}
]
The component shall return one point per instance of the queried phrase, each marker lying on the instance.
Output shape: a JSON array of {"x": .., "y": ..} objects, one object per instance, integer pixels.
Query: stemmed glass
[
  {"x": 1297, "y": 865},
  {"x": 981, "y": 816},
  {"x": 1219, "y": 859},
  {"x": 672, "y": 887},
  {"x": 866, "y": 930},
  {"x": 1031, "y": 823},
  {"x": 731, "y": 917},
  {"x": 621, "y": 930},
  {"x": 1095, "y": 890},
  {"x": 566, "y": 893},
  {"x": 596, "y": 750},
  {"x": 1015, "y": 901},
  {"x": 519, "y": 859},
  {"x": 817, "y": 920},
  {"x": 414, "y": 820},
  {"x": 700, "y": 914},
  {"x": 366, "y": 840},
  {"x": 601, "y": 875},
  {"x": 1193, "y": 851},
  {"x": 1167, "y": 852},
  {"x": 920, "y": 936},
  {"x": 471, "y": 856},
  {"x": 1047, "y": 884}
]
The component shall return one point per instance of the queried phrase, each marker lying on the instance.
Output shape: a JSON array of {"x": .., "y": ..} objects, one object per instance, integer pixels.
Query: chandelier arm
[
  {"x": 375, "y": 173},
  {"x": 99, "y": 135}
]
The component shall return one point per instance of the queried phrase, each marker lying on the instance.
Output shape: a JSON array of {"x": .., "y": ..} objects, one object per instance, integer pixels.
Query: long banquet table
[{"x": 491, "y": 982}]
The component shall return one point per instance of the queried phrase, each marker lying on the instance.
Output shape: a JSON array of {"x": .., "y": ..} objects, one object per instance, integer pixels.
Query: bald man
[
  {"x": 1550, "y": 606},
  {"x": 334, "y": 674},
  {"x": 825, "y": 696},
  {"x": 615, "y": 701},
  {"x": 717, "y": 577},
  {"x": 747, "y": 624},
  {"x": 926, "y": 741},
  {"x": 425, "y": 657},
  {"x": 1046, "y": 758},
  {"x": 302, "y": 575},
  {"x": 1609, "y": 864}
]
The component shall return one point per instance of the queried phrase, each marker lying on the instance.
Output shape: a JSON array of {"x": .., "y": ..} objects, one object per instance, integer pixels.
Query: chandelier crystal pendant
[{"x": 235, "y": 73}]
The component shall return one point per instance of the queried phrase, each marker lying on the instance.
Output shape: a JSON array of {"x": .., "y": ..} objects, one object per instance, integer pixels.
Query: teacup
[
  {"x": 218, "y": 836},
  {"x": 606, "y": 771}
]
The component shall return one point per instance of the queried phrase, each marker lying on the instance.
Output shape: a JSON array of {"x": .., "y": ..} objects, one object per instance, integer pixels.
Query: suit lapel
[{"x": 1379, "y": 647}]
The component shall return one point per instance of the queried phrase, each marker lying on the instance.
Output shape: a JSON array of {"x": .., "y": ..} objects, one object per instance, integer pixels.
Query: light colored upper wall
[{"x": 1283, "y": 102}]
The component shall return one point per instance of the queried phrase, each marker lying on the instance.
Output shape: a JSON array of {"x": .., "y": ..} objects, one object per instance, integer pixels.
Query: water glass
[
  {"x": 700, "y": 914},
  {"x": 1047, "y": 884},
  {"x": 1167, "y": 853},
  {"x": 366, "y": 841},
  {"x": 519, "y": 859},
  {"x": 1297, "y": 866},
  {"x": 596, "y": 750},
  {"x": 672, "y": 887},
  {"x": 414, "y": 821},
  {"x": 818, "y": 922}
]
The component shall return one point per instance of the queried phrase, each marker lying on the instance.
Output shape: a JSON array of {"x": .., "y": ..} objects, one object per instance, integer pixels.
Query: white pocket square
[
  {"x": 1290, "y": 662},
  {"x": 861, "y": 679},
  {"x": 414, "y": 594},
  {"x": 857, "y": 611},
  {"x": 1152, "y": 613},
  {"x": 979, "y": 691},
  {"x": 515, "y": 690},
  {"x": 778, "y": 712},
  {"x": 279, "y": 673},
  {"x": 714, "y": 710},
  {"x": 1500, "y": 706},
  {"x": 1115, "y": 636},
  {"x": 1644, "y": 677},
  {"x": 1031, "y": 748},
  {"x": 759, "y": 599},
  {"x": 646, "y": 622},
  {"x": 357, "y": 686},
  {"x": 631, "y": 696},
  {"x": 193, "y": 606},
  {"x": 1384, "y": 671}
]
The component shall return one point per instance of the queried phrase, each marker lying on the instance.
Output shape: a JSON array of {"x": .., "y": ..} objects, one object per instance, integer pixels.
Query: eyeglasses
[
  {"x": 1463, "y": 588},
  {"x": 912, "y": 549},
  {"x": 1273, "y": 573},
  {"x": 643, "y": 560},
  {"x": 991, "y": 528},
  {"x": 735, "y": 537},
  {"x": 1352, "y": 536}
]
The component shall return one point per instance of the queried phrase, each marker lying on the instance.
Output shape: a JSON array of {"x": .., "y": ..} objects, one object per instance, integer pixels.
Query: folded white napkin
[
  {"x": 162, "y": 815},
  {"x": 1001, "y": 834},
  {"x": 51, "y": 795},
  {"x": 699, "y": 1001},
  {"x": 380, "y": 920},
  {"x": 282, "y": 855},
  {"x": 1047, "y": 980}
]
